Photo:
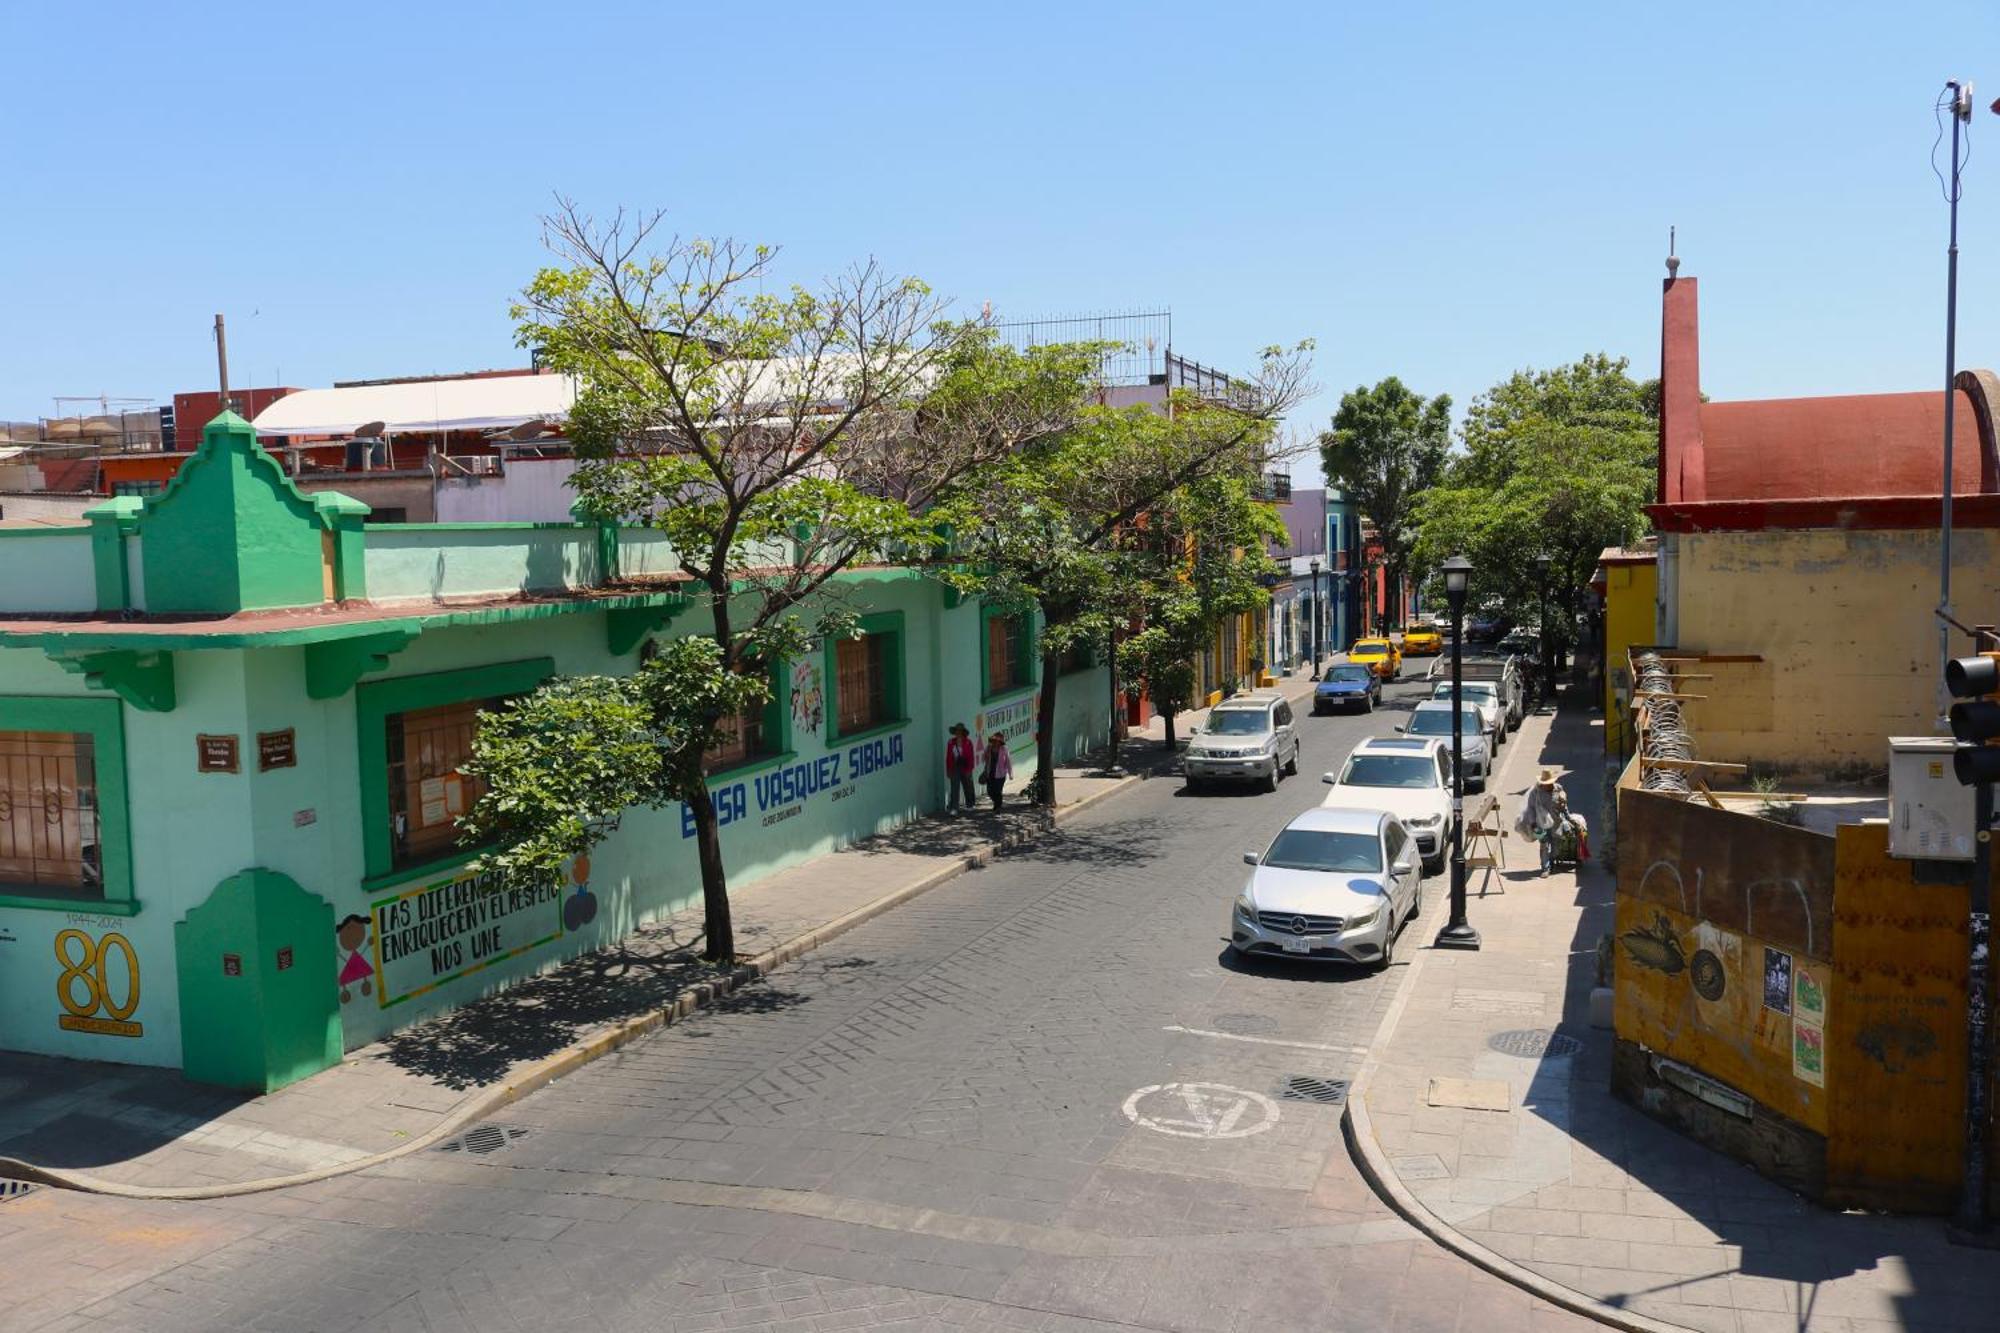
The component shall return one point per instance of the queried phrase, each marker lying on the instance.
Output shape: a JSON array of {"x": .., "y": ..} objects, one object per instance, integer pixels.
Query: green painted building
[{"x": 233, "y": 719}]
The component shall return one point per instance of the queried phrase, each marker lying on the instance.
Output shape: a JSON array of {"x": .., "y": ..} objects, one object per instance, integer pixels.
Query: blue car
[{"x": 1347, "y": 685}]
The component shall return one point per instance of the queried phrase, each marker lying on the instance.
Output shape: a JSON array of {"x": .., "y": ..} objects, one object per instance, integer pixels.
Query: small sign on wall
[
  {"x": 232, "y": 965},
  {"x": 215, "y": 754},
  {"x": 277, "y": 749}
]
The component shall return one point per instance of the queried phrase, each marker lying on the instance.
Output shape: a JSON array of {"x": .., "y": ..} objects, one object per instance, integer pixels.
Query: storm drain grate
[
  {"x": 1534, "y": 1043},
  {"x": 1304, "y": 1088},
  {"x": 483, "y": 1140},
  {"x": 14, "y": 1189}
]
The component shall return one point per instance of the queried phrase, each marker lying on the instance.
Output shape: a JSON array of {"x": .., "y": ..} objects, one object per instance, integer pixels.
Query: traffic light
[{"x": 1975, "y": 724}]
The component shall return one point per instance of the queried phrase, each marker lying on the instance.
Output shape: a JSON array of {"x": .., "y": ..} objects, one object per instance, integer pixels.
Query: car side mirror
[
  {"x": 1401, "y": 728},
  {"x": 1328, "y": 778},
  {"x": 1406, "y": 862},
  {"x": 1251, "y": 858},
  {"x": 1194, "y": 731}
]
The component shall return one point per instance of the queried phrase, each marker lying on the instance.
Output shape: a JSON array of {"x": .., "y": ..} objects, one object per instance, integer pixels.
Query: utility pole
[
  {"x": 223, "y": 359},
  {"x": 1960, "y": 95}
]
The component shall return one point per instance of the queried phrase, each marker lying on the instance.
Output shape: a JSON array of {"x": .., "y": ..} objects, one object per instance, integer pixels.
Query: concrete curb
[
  {"x": 565, "y": 1062},
  {"x": 1367, "y": 1153}
]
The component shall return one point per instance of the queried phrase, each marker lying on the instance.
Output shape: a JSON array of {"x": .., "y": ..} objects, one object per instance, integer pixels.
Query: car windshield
[
  {"x": 1437, "y": 722},
  {"x": 1322, "y": 849},
  {"x": 1238, "y": 722},
  {"x": 1390, "y": 770},
  {"x": 1348, "y": 671},
  {"x": 1471, "y": 691}
]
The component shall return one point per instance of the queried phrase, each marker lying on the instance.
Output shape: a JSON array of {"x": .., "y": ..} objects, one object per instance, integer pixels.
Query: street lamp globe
[
  {"x": 1542, "y": 563},
  {"x": 1457, "y": 577}
]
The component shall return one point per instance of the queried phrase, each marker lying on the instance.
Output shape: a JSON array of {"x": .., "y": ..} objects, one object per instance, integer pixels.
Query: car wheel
[
  {"x": 1417, "y": 900},
  {"x": 1292, "y": 764},
  {"x": 1367, "y": 703},
  {"x": 1435, "y": 866},
  {"x": 1388, "y": 955},
  {"x": 1271, "y": 778}
]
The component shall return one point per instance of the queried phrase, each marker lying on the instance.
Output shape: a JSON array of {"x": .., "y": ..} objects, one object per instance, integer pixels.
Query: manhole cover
[
  {"x": 14, "y": 1189},
  {"x": 1534, "y": 1043},
  {"x": 1305, "y": 1088},
  {"x": 1245, "y": 1025},
  {"x": 483, "y": 1139}
]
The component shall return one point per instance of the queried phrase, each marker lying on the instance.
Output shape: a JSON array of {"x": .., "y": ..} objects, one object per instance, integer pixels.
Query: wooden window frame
[
  {"x": 1024, "y": 647},
  {"x": 888, "y": 627}
]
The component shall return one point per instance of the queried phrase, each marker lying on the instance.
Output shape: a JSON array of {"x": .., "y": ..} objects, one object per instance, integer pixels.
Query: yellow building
[{"x": 1628, "y": 581}]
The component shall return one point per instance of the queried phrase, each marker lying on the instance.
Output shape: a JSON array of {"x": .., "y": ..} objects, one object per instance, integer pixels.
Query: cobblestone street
[{"x": 1040, "y": 1096}]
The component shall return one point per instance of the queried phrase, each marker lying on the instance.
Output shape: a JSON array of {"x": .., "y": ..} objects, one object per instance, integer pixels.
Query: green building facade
[{"x": 232, "y": 720}]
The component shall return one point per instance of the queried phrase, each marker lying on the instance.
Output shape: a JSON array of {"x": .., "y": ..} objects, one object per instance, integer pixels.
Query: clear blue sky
[{"x": 1442, "y": 192}]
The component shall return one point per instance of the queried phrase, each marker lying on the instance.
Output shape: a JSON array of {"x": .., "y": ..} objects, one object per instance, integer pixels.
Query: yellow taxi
[
  {"x": 1379, "y": 655},
  {"x": 1422, "y": 641}
]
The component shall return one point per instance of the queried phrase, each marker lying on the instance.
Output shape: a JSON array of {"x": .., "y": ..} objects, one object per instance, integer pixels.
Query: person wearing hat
[
  {"x": 996, "y": 766},
  {"x": 960, "y": 758},
  {"x": 1546, "y": 808}
]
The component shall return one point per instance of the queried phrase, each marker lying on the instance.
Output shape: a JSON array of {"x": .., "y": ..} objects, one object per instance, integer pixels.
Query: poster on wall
[
  {"x": 1809, "y": 1023},
  {"x": 426, "y": 936},
  {"x": 1777, "y": 980}
]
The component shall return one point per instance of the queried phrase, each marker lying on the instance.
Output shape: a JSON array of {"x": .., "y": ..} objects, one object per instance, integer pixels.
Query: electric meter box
[{"x": 1930, "y": 810}]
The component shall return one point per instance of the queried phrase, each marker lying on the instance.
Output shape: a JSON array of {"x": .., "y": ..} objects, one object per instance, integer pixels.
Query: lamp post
[
  {"x": 1314, "y": 567},
  {"x": 1457, "y": 933},
  {"x": 1542, "y": 639}
]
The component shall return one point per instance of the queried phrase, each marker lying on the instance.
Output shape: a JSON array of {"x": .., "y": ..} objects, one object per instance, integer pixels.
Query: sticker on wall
[
  {"x": 356, "y": 972},
  {"x": 1809, "y": 1054},
  {"x": 808, "y": 697},
  {"x": 1777, "y": 980},
  {"x": 434, "y": 933},
  {"x": 98, "y": 995},
  {"x": 1716, "y": 966}
]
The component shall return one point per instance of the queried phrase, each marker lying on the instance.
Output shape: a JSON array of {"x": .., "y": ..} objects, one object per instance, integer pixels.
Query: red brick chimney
[{"x": 1683, "y": 468}]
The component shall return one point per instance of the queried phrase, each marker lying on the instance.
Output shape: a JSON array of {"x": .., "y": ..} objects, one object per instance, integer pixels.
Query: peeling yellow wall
[
  {"x": 1628, "y": 620},
  {"x": 1843, "y": 622}
]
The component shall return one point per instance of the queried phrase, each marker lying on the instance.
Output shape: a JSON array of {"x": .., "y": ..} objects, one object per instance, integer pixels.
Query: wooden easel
[{"x": 1485, "y": 842}]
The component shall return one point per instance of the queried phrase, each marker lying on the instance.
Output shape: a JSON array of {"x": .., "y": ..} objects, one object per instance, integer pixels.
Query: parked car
[
  {"x": 1432, "y": 717},
  {"x": 1508, "y": 672},
  {"x": 1405, "y": 776},
  {"x": 1381, "y": 654},
  {"x": 1248, "y": 738},
  {"x": 1336, "y": 885},
  {"x": 1491, "y": 703},
  {"x": 1347, "y": 685},
  {"x": 1422, "y": 641}
]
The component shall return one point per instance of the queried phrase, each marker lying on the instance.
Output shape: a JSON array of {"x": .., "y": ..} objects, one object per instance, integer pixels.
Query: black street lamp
[
  {"x": 1314, "y": 566},
  {"x": 1548, "y": 664},
  {"x": 1457, "y": 933}
]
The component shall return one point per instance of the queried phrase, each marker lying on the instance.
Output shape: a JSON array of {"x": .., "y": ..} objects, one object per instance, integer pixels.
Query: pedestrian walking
[
  {"x": 960, "y": 759},
  {"x": 996, "y": 767},
  {"x": 1544, "y": 816}
]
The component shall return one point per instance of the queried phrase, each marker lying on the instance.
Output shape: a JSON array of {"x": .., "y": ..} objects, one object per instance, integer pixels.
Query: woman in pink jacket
[{"x": 996, "y": 766}]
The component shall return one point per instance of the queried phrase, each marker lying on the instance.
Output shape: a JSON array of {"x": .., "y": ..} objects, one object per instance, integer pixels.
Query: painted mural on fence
[
  {"x": 436, "y": 933},
  {"x": 784, "y": 792}
]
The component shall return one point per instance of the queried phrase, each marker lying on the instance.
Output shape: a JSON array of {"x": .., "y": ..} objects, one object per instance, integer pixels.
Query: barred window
[
  {"x": 863, "y": 683},
  {"x": 428, "y": 787},
  {"x": 745, "y": 736},
  {"x": 49, "y": 829},
  {"x": 1006, "y": 667}
]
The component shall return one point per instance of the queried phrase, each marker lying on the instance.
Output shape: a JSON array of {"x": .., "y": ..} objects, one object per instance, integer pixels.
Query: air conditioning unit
[
  {"x": 1930, "y": 811},
  {"x": 481, "y": 465}
]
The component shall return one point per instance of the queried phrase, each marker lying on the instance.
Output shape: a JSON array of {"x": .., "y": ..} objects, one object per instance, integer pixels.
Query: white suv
[
  {"x": 1247, "y": 738},
  {"x": 1406, "y": 776}
]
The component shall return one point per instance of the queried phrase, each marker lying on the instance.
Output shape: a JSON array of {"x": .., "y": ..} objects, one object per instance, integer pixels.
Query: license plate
[{"x": 1300, "y": 943}]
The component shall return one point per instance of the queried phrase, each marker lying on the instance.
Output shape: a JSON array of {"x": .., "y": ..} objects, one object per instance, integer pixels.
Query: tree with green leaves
[
  {"x": 1556, "y": 461},
  {"x": 1054, "y": 525},
  {"x": 1203, "y": 557},
  {"x": 779, "y": 437},
  {"x": 1386, "y": 447}
]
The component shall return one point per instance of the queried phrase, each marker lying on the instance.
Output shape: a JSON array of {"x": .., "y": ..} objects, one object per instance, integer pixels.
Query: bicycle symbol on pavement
[{"x": 1201, "y": 1110}]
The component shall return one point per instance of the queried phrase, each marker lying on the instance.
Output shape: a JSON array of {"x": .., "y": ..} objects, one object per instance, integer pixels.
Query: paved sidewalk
[
  {"x": 1578, "y": 1189},
  {"x": 134, "y": 1128}
]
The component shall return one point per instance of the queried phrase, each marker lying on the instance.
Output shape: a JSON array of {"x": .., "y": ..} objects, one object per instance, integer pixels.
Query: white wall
[{"x": 532, "y": 490}]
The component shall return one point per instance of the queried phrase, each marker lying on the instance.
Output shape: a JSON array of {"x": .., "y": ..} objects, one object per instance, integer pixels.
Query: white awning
[{"x": 432, "y": 405}]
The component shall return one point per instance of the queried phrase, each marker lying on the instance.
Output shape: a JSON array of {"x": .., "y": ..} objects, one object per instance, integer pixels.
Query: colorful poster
[
  {"x": 1809, "y": 1022},
  {"x": 1777, "y": 980},
  {"x": 433, "y": 933},
  {"x": 808, "y": 698},
  {"x": 1809, "y": 1054}
]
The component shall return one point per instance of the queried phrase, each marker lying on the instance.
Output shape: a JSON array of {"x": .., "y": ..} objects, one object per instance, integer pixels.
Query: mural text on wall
[{"x": 435, "y": 933}]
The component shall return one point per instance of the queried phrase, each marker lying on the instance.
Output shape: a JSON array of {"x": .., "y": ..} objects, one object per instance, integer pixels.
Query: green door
[{"x": 259, "y": 1004}]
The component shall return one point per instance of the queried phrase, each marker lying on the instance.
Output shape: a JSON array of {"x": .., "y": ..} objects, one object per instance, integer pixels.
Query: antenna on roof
[{"x": 1673, "y": 260}]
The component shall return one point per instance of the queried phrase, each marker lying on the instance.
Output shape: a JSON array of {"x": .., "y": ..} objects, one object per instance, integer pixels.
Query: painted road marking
[
  {"x": 1265, "y": 1041},
  {"x": 1201, "y": 1110}
]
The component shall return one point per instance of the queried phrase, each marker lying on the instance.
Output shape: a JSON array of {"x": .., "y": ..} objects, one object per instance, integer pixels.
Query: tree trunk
[
  {"x": 718, "y": 930},
  {"x": 1045, "y": 733},
  {"x": 1167, "y": 715}
]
